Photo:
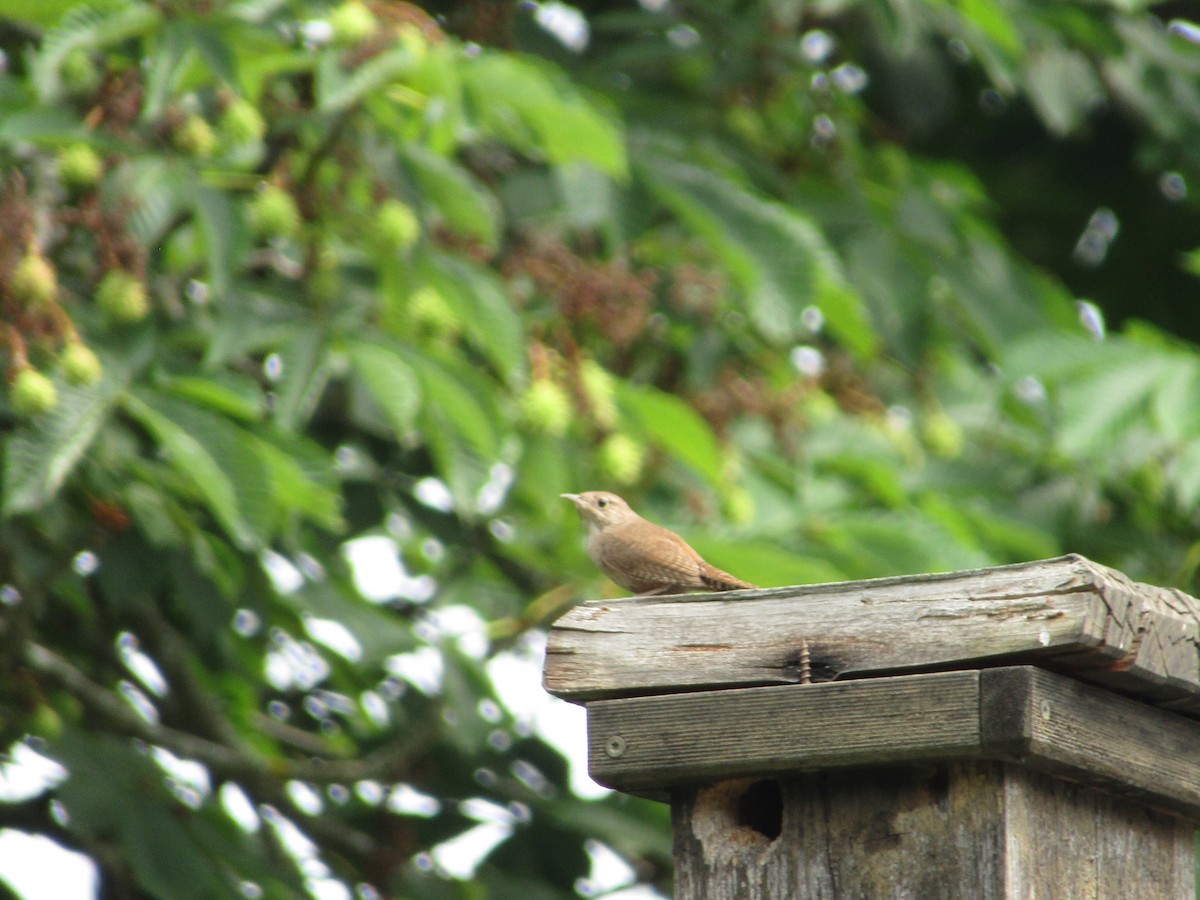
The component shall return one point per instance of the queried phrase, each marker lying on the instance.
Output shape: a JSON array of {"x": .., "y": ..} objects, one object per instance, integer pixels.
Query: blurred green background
[{"x": 310, "y": 311}]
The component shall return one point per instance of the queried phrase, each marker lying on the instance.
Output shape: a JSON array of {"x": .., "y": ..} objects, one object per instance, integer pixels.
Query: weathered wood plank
[
  {"x": 651, "y": 742},
  {"x": 1042, "y": 720},
  {"x": 1068, "y": 614},
  {"x": 978, "y": 829},
  {"x": 1066, "y": 840},
  {"x": 1057, "y": 725}
]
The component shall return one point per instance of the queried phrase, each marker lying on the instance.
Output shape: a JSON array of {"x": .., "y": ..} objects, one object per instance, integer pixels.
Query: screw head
[{"x": 615, "y": 746}]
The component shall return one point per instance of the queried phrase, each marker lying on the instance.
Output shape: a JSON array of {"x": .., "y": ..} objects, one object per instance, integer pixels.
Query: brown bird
[{"x": 643, "y": 557}]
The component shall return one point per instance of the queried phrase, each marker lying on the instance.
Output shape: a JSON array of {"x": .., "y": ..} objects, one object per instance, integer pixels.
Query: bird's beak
[{"x": 574, "y": 498}]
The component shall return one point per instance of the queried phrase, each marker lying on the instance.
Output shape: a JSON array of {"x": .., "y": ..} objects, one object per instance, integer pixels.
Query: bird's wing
[{"x": 652, "y": 558}]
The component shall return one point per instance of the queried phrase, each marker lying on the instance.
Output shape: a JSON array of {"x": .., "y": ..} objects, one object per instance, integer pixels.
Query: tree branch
[{"x": 223, "y": 760}]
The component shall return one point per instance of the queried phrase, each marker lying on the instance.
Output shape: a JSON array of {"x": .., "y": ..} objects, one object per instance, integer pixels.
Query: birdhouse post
[{"x": 1016, "y": 732}]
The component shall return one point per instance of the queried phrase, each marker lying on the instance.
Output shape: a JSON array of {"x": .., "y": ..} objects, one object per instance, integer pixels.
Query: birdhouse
[{"x": 1014, "y": 732}]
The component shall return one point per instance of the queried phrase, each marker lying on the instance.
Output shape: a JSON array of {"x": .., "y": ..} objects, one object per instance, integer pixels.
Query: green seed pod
[
  {"x": 122, "y": 297},
  {"x": 622, "y": 458},
  {"x": 545, "y": 408},
  {"x": 274, "y": 213},
  {"x": 32, "y": 393},
  {"x": 79, "y": 364},
  {"x": 34, "y": 281}
]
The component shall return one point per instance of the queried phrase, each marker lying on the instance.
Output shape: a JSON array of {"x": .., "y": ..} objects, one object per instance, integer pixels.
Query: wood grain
[
  {"x": 1043, "y": 721},
  {"x": 651, "y": 742},
  {"x": 1087, "y": 734},
  {"x": 980, "y": 829},
  {"x": 1067, "y": 614}
]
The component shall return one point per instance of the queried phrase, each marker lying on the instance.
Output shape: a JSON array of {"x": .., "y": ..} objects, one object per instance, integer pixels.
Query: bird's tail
[{"x": 716, "y": 580}]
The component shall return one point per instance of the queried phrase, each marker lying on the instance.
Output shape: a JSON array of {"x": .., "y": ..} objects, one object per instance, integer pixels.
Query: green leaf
[
  {"x": 775, "y": 254},
  {"x": 467, "y": 207},
  {"x": 229, "y": 393},
  {"x": 587, "y": 197},
  {"x": 462, "y": 417},
  {"x": 43, "y": 13},
  {"x": 390, "y": 381},
  {"x": 303, "y": 375},
  {"x": 224, "y": 237},
  {"x": 532, "y": 106},
  {"x": 1007, "y": 537},
  {"x": 41, "y": 126},
  {"x": 222, "y": 463},
  {"x": 1098, "y": 407},
  {"x": 487, "y": 316},
  {"x": 167, "y": 61},
  {"x": 1190, "y": 262},
  {"x": 673, "y": 425},
  {"x": 216, "y": 52},
  {"x": 1184, "y": 472},
  {"x": 993, "y": 21},
  {"x": 302, "y": 480},
  {"x": 338, "y": 88},
  {"x": 640, "y": 828},
  {"x": 1103, "y": 388},
  {"x": 164, "y": 190},
  {"x": 1062, "y": 86},
  {"x": 902, "y": 542},
  {"x": 87, "y": 26},
  {"x": 40, "y": 455},
  {"x": 433, "y": 86}
]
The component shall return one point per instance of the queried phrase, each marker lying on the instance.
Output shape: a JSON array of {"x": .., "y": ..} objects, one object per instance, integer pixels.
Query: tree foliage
[{"x": 279, "y": 277}]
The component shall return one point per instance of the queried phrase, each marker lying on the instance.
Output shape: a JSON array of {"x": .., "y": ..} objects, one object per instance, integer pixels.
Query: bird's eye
[{"x": 602, "y": 503}]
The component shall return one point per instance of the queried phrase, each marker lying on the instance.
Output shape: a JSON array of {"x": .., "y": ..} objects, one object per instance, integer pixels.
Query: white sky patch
[
  {"x": 434, "y": 494},
  {"x": 369, "y": 792},
  {"x": 297, "y": 843},
  {"x": 328, "y": 889},
  {"x": 140, "y": 702},
  {"x": 807, "y": 360},
  {"x": 334, "y": 635},
  {"x": 375, "y": 561},
  {"x": 609, "y": 874},
  {"x": 564, "y": 22},
  {"x": 185, "y": 771},
  {"x": 379, "y": 574},
  {"x": 27, "y": 774},
  {"x": 285, "y": 576},
  {"x": 1189, "y": 31},
  {"x": 463, "y": 624},
  {"x": 141, "y": 666},
  {"x": 492, "y": 495},
  {"x": 812, "y": 318},
  {"x": 482, "y": 810},
  {"x": 293, "y": 663},
  {"x": 375, "y": 708},
  {"x": 1091, "y": 318},
  {"x": 423, "y": 669},
  {"x": 25, "y": 860},
  {"x": 460, "y": 856},
  {"x": 316, "y": 32},
  {"x": 517, "y": 678},
  {"x": 408, "y": 801},
  {"x": 238, "y": 807},
  {"x": 306, "y": 797},
  {"x": 817, "y": 46}
]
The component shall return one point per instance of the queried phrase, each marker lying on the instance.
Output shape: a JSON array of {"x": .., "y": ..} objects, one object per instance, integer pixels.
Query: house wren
[{"x": 643, "y": 557}]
